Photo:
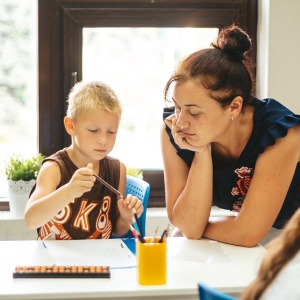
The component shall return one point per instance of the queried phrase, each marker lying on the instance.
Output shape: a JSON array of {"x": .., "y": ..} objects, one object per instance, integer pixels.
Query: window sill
[
  {"x": 12, "y": 228},
  {"x": 4, "y": 204}
]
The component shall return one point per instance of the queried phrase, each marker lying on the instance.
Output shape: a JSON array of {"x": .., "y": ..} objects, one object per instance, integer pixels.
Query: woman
[{"x": 223, "y": 146}]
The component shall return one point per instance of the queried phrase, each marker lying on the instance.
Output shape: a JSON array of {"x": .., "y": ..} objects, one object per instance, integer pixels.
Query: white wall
[{"x": 278, "y": 64}]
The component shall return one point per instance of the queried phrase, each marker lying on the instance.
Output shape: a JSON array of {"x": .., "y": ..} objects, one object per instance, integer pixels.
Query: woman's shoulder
[
  {"x": 272, "y": 108},
  {"x": 272, "y": 120}
]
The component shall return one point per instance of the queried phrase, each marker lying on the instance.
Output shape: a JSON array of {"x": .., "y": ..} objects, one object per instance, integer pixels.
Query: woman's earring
[{"x": 232, "y": 118}]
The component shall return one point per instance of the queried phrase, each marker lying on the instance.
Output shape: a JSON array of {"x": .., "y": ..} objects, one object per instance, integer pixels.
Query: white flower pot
[{"x": 18, "y": 196}]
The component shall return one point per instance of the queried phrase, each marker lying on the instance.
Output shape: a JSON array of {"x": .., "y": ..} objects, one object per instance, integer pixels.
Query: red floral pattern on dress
[{"x": 243, "y": 183}]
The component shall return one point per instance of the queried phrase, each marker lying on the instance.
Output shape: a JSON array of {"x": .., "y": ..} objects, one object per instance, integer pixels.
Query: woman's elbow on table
[
  {"x": 188, "y": 231},
  {"x": 176, "y": 232},
  {"x": 247, "y": 239},
  {"x": 230, "y": 231},
  {"x": 249, "y": 243}
]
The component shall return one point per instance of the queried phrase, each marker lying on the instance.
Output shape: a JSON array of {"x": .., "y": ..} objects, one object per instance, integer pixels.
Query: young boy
[{"x": 67, "y": 201}]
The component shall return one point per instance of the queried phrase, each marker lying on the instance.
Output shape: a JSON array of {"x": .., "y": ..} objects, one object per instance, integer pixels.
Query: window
[
  {"x": 62, "y": 24},
  {"x": 136, "y": 63},
  {"x": 18, "y": 83}
]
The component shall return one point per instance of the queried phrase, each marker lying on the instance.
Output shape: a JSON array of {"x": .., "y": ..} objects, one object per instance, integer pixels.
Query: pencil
[
  {"x": 136, "y": 234},
  {"x": 137, "y": 221},
  {"x": 135, "y": 225},
  {"x": 154, "y": 235},
  {"x": 165, "y": 233},
  {"x": 108, "y": 186}
]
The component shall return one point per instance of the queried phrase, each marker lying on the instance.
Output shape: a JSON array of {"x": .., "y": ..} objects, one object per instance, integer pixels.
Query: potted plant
[
  {"x": 135, "y": 172},
  {"x": 21, "y": 174}
]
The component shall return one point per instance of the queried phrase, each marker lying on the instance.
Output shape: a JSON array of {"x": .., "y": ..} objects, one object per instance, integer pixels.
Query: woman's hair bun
[{"x": 233, "y": 41}]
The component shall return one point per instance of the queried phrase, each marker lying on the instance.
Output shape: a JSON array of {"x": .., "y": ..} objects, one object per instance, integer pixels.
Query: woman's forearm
[{"x": 191, "y": 210}]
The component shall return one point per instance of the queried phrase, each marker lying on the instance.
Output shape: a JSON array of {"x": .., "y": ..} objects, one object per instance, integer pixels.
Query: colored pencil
[
  {"x": 154, "y": 235},
  {"x": 137, "y": 221},
  {"x": 165, "y": 233},
  {"x": 136, "y": 234},
  {"x": 108, "y": 186}
]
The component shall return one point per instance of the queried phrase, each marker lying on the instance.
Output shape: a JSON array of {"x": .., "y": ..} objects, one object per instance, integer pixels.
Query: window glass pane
[
  {"x": 18, "y": 82},
  {"x": 136, "y": 63}
]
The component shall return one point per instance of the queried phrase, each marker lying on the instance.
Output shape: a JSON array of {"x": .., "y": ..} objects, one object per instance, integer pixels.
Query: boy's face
[{"x": 95, "y": 133}]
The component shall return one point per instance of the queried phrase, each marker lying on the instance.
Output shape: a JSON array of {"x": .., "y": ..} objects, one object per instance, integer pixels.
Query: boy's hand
[
  {"x": 127, "y": 205},
  {"x": 82, "y": 181}
]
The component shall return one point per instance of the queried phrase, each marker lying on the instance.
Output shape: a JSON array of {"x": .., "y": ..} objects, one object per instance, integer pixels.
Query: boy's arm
[{"x": 46, "y": 201}]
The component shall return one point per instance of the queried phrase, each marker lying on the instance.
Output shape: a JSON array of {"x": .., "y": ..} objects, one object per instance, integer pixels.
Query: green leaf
[{"x": 18, "y": 168}]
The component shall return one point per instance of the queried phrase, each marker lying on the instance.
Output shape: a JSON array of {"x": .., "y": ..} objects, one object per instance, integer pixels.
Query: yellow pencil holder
[{"x": 151, "y": 262}]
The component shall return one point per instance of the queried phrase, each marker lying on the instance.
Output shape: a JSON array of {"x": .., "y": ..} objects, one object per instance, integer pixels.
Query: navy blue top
[{"x": 271, "y": 121}]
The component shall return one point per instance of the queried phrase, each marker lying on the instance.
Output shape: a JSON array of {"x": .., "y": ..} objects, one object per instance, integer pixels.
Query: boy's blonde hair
[{"x": 85, "y": 96}]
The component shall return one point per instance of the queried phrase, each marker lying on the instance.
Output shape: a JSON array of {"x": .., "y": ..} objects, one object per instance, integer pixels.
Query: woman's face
[{"x": 202, "y": 118}]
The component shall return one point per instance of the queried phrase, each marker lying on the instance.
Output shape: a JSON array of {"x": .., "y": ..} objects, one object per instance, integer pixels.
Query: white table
[{"x": 229, "y": 277}]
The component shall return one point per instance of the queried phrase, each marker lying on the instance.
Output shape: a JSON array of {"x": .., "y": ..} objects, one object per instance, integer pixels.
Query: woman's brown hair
[{"x": 226, "y": 68}]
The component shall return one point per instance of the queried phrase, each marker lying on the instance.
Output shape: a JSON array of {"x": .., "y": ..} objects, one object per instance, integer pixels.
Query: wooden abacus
[{"x": 61, "y": 272}]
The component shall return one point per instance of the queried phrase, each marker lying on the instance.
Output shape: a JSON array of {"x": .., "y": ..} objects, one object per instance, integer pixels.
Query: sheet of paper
[
  {"x": 205, "y": 251},
  {"x": 111, "y": 252}
]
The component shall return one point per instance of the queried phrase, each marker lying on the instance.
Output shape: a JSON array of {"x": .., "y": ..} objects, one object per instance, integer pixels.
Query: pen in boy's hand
[{"x": 108, "y": 186}]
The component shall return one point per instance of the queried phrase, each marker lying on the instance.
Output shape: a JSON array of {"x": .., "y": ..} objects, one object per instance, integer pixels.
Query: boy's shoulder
[{"x": 57, "y": 156}]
